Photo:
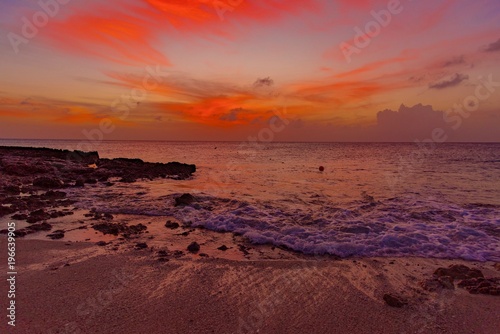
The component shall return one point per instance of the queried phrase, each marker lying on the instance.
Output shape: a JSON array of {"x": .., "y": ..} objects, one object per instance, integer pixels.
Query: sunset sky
[{"x": 223, "y": 70}]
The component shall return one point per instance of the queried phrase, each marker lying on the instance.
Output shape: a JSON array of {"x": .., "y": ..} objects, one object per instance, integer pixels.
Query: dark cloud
[
  {"x": 232, "y": 115},
  {"x": 493, "y": 47},
  {"x": 453, "y": 81},
  {"x": 455, "y": 61},
  {"x": 263, "y": 82}
]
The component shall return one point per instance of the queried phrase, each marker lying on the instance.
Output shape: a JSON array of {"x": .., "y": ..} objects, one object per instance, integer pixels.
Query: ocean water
[{"x": 372, "y": 199}]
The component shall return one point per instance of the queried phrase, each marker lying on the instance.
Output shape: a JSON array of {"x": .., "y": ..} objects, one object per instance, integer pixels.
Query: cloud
[
  {"x": 268, "y": 82},
  {"x": 493, "y": 47},
  {"x": 453, "y": 81},
  {"x": 454, "y": 61},
  {"x": 232, "y": 115},
  {"x": 408, "y": 123}
]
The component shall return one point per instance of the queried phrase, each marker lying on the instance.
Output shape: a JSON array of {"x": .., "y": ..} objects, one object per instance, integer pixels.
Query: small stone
[
  {"x": 141, "y": 245},
  {"x": 59, "y": 234},
  {"x": 171, "y": 225},
  {"x": 458, "y": 271},
  {"x": 101, "y": 243},
  {"x": 184, "y": 199},
  {"x": 393, "y": 301},
  {"x": 223, "y": 248},
  {"x": 193, "y": 247}
]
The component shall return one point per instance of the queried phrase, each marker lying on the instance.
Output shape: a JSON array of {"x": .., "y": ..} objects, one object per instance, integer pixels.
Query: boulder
[{"x": 193, "y": 247}]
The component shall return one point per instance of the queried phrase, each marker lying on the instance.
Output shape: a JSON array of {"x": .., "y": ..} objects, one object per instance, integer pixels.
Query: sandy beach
[{"x": 69, "y": 287}]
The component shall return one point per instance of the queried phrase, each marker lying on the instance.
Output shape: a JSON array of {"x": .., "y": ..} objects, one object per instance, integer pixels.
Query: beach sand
[{"x": 78, "y": 287}]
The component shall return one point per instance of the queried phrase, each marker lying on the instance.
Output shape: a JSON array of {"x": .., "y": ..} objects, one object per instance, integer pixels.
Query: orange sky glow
[{"x": 224, "y": 70}]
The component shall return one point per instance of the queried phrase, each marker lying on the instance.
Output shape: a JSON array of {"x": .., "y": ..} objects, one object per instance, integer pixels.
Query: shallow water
[{"x": 373, "y": 199}]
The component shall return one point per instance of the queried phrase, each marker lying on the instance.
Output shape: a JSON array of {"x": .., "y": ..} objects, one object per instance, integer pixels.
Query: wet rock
[
  {"x": 141, "y": 245},
  {"x": 127, "y": 179},
  {"x": 135, "y": 229},
  {"x": 108, "y": 228},
  {"x": 162, "y": 253},
  {"x": 53, "y": 195},
  {"x": 184, "y": 199},
  {"x": 481, "y": 285},
  {"x": 6, "y": 210},
  {"x": 171, "y": 225},
  {"x": 101, "y": 243},
  {"x": 40, "y": 227},
  {"x": 90, "y": 181},
  {"x": 394, "y": 301},
  {"x": 12, "y": 190},
  {"x": 47, "y": 183},
  {"x": 193, "y": 247},
  {"x": 19, "y": 216},
  {"x": 458, "y": 271},
  {"x": 38, "y": 215},
  {"x": 80, "y": 183},
  {"x": 223, "y": 248},
  {"x": 243, "y": 249},
  {"x": 58, "y": 234}
]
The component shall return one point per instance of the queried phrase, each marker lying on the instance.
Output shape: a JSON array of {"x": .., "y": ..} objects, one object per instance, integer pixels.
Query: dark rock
[
  {"x": 101, "y": 243},
  {"x": 184, "y": 199},
  {"x": 127, "y": 179},
  {"x": 162, "y": 253},
  {"x": 38, "y": 215},
  {"x": 59, "y": 234},
  {"x": 393, "y": 301},
  {"x": 171, "y": 225},
  {"x": 203, "y": 255},
  {"x": 141, "y": 245},
  {"x": 108, "y": 228},
  {"x": 223, "y": 248},
  {"x": 53, "y": 195},
  {"x": 6, "y": 210},
  {"x": 458, "y": 271},
  {"x": 19, "y": 216},
  {"x": 12, "y": 190},
  {"x": 80, "y": 183},
  {"x": 481, "y": 285},
  {"x": 40, "y": 227},
  {"x": 90, "y": 181},
  {"x": 243, "y": 249},
  {"x": 193, "y": 247},
  {"x": 47, "y": 183},
  {"x": 108, "y": 216},
  {"x": 135, "y": 229}
]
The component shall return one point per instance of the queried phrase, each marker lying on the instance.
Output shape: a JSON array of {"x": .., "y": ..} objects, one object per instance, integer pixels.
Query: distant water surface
[{"x": 373, "y": 199}]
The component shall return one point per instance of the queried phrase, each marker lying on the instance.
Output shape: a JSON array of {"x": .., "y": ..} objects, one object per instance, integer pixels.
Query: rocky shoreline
[{"x": 34, "y": 182}]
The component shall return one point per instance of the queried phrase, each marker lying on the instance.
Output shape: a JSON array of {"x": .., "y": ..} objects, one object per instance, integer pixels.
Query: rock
[
  {"x": 108, "y": 228},
  {"x": 184, "y": 199},
  {"x": 37, "y": 215},
  {"x": 458, "y": 271},
  {"x": 223, "y": 248},
  {"x": 19, "y": 216},
  {"x": 127, "y": 179},
  {"x": 193, "y": 247},
  {"x": 80, "y": 183},
  {"x": 135, "y": 229},
  {"x": 6, "y": 210},
  {"x": 171, "y": 225},
  {"x": 52, "y": 195},
  {"x": 40, "y": 227},
  {"x": 497, "y": 266},
  {"x": 12, "y": 190},
  {"x": 90, "y": 181},
  {"x": 393, "y": 301},
  {"x": 141, "y": 245},
  {"x": 101, "y": 243},
  {"x": 162, "y": 253},
  {"x": 438, "y": 283},
  {"x": 59, "y": 234},
  {"x": 47, "y": 182},
  {"x": 487, "y": 286}
]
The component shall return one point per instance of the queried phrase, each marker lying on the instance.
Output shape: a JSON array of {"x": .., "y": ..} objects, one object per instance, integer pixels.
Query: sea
[{"x": 368, "y": 199}]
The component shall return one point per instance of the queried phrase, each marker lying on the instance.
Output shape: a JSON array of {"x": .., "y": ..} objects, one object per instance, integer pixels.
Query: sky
[{"x": 275, "y": 70}]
